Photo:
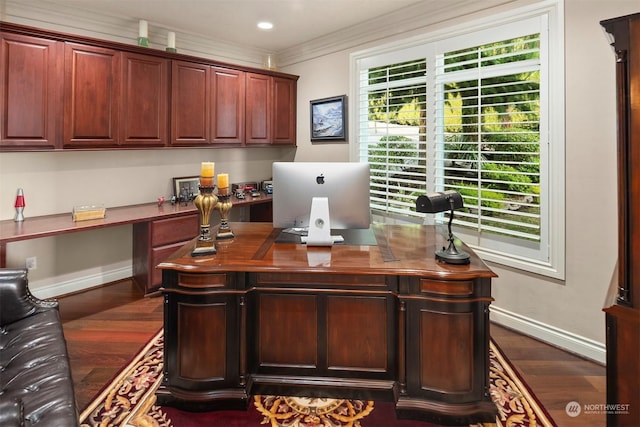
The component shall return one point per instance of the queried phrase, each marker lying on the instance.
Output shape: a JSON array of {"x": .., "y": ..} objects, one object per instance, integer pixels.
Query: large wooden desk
[{"x": 384, "y": 322}]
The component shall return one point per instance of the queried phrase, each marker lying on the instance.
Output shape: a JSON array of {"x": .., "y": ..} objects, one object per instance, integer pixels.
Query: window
[{"x": 472, "y": 112}]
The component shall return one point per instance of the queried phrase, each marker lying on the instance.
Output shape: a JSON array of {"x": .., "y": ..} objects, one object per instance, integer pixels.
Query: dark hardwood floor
[{"x": 104, "y": 327}]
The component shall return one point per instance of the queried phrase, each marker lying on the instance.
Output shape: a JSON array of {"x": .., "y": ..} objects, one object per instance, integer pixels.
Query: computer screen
[{"x": 344, "y": 185}]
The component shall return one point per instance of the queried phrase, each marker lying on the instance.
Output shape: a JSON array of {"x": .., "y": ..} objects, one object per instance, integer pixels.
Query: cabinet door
[
  {"x": 91, "y": 96},
  {"x": 227, "y": 104},
  {"x": 202, "y": 335},
  {"x": 30, "y": 91},
  {"x": 284, "y": 111},
  {"x": 258, "y": 111},
  {"x": 447, "y": 341},
  {"x": 190, "y": 111},
  {"x": 145, "y": 97}
]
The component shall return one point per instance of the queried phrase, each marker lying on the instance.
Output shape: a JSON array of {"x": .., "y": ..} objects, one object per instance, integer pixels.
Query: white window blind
[
  {"x": 487, "y": 135},
  {"x": 470, "y": 112},
  {"x": 392, "y": 117}
]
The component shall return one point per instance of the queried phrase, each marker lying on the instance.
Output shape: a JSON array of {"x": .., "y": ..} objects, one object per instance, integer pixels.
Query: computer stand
[{"x": 320, "y": 225}]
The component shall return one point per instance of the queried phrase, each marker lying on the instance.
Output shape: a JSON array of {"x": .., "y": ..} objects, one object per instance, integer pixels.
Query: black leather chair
[{"x": 36, "y": 387}]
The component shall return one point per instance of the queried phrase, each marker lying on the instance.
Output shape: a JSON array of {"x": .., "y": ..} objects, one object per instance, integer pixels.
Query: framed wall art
[
  {"x": 329, "y": 119},
  {"x": 186, "y": 188}
]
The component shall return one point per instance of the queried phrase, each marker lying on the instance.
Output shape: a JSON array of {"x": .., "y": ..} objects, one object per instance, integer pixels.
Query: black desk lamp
[{"x": 440, "y": 202}]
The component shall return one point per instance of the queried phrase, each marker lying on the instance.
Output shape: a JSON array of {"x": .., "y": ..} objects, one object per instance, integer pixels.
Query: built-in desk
[
  {"x": 383, "y": 321},
  {"x": 157, "y": 230}
]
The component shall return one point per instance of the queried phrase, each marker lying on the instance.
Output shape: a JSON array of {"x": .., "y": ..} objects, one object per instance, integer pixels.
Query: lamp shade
[{"x": 439, "y": 202}]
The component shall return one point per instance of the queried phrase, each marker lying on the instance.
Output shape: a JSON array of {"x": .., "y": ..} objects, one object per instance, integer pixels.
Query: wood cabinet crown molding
[
  {"x": 106, "y": 95},
  {"x": 9, "y": 27}
]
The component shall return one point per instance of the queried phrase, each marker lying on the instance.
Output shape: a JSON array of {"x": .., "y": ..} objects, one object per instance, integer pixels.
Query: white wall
[
  {"x": 567, "y": 313},
  {"x": 320, "y": 78},
  {"x": 55, "y": 182}
]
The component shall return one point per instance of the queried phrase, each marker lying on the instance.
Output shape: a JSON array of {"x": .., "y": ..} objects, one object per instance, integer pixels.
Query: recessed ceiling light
[{"x": 265, "y": 25}]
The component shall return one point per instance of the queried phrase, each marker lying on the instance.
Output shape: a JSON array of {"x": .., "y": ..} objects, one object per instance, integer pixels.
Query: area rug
[{"x": 129, "y": 401}]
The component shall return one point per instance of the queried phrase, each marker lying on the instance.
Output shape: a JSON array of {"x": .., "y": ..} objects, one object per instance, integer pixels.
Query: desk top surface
[
  {"x": 400, "y": 250},
  {"x": 52, "y": 225}
]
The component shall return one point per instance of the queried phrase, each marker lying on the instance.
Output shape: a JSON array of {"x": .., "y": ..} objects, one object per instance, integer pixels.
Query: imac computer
[{"x": 311, "y": 198}]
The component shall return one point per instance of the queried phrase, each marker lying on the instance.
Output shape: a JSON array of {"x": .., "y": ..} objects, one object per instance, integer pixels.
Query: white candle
[
  {"x": 207, "y": 169},
  {"x": 143, "y": 29},
  {"x": 223, "y": 180},
  {"x": 171, "y": 40}
]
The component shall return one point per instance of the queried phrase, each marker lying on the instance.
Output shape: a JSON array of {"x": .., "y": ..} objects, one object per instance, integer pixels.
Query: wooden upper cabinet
[
  {"x": 284, "y": 111},
  {"x": 271, "y": 110},
  {"x": 91, "y": 96},
  {"x": 144, "y": 114},
  {"x": 30, "y": 92},
  {"x": 69, "y": 92},
  {"x": 190, "y": 103},
  {"x": 258, "y": 109},
  {"x": 227, "y": 105}
]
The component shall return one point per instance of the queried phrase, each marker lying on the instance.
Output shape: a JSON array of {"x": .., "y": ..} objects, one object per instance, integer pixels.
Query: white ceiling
[{"x": 295, "y": 21}]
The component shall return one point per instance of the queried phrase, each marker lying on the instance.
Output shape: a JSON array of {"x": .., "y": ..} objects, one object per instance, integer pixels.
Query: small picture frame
[
  {"x": 329, "y": 119},
  {"x": 186, "y": 188}
]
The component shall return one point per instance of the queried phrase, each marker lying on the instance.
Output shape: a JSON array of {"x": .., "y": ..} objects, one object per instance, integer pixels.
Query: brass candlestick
[
  {"x": 206, "y": 202},
  {"x": 224, "y": 206}
]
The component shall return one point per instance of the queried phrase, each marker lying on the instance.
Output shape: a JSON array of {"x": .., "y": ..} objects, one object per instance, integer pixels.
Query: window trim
[{"x": 555, "y": 165}]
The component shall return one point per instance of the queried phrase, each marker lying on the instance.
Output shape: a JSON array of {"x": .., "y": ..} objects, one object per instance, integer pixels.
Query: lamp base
[
  {"x": 19, "y": 217},
  {"x": 452, "y": 255},
  {"x": 224, "y": 234},
  {"x": 204, "y": 247}
]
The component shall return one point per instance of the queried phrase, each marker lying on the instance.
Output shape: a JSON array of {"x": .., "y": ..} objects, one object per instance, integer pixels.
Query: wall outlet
[{"x": 31, "y": 263}]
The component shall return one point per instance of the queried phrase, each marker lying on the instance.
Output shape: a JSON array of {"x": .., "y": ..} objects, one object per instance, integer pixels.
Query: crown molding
[
  {"x": 123, "y": 29},
  {"x": 401, "y": 23}
]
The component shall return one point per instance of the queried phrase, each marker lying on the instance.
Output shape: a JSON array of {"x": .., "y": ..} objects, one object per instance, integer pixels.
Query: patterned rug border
[
  {"x": 109, "y": 408},
  {"x": 541, "y": 412},
  {"x": 119, "y": 379}
]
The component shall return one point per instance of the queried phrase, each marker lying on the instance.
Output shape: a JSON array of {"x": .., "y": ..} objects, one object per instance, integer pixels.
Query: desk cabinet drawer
[
  {"x": 154, "y": 241},
  {"x": 172, "y": 230}
]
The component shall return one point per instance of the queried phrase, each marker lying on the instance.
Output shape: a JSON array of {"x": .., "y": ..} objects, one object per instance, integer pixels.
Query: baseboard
[
  {"x": 573, "y": 343},
  {"x": 87, "y": 279}
]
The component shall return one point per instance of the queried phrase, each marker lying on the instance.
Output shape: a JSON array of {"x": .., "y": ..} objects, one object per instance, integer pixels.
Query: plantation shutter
[
  {"x": 471, "y": 111},
  {"x": 392, "y": 133},
  {"x": 487, "y": 135}
]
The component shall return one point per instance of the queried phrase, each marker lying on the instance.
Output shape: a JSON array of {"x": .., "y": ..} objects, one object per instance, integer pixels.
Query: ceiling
[{"x": 295, "y": 21}]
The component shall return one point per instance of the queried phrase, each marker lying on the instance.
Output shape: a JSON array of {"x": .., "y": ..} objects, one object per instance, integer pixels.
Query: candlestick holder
[
  {"x": 224, "y": 206},
  {"x": 206, "y": 202}
]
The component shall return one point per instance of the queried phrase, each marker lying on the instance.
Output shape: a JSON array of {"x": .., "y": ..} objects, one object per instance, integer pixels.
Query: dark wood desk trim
[
  {"x": 261, "y": 317},
  {"x": 57, "y": 224}
]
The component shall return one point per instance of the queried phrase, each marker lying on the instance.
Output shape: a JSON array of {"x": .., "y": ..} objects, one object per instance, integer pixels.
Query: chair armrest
[{"x": 16, "y": 301}]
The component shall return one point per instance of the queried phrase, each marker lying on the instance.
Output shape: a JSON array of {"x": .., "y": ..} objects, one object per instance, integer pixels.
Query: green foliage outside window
[{"x": 491, "y": 129}]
